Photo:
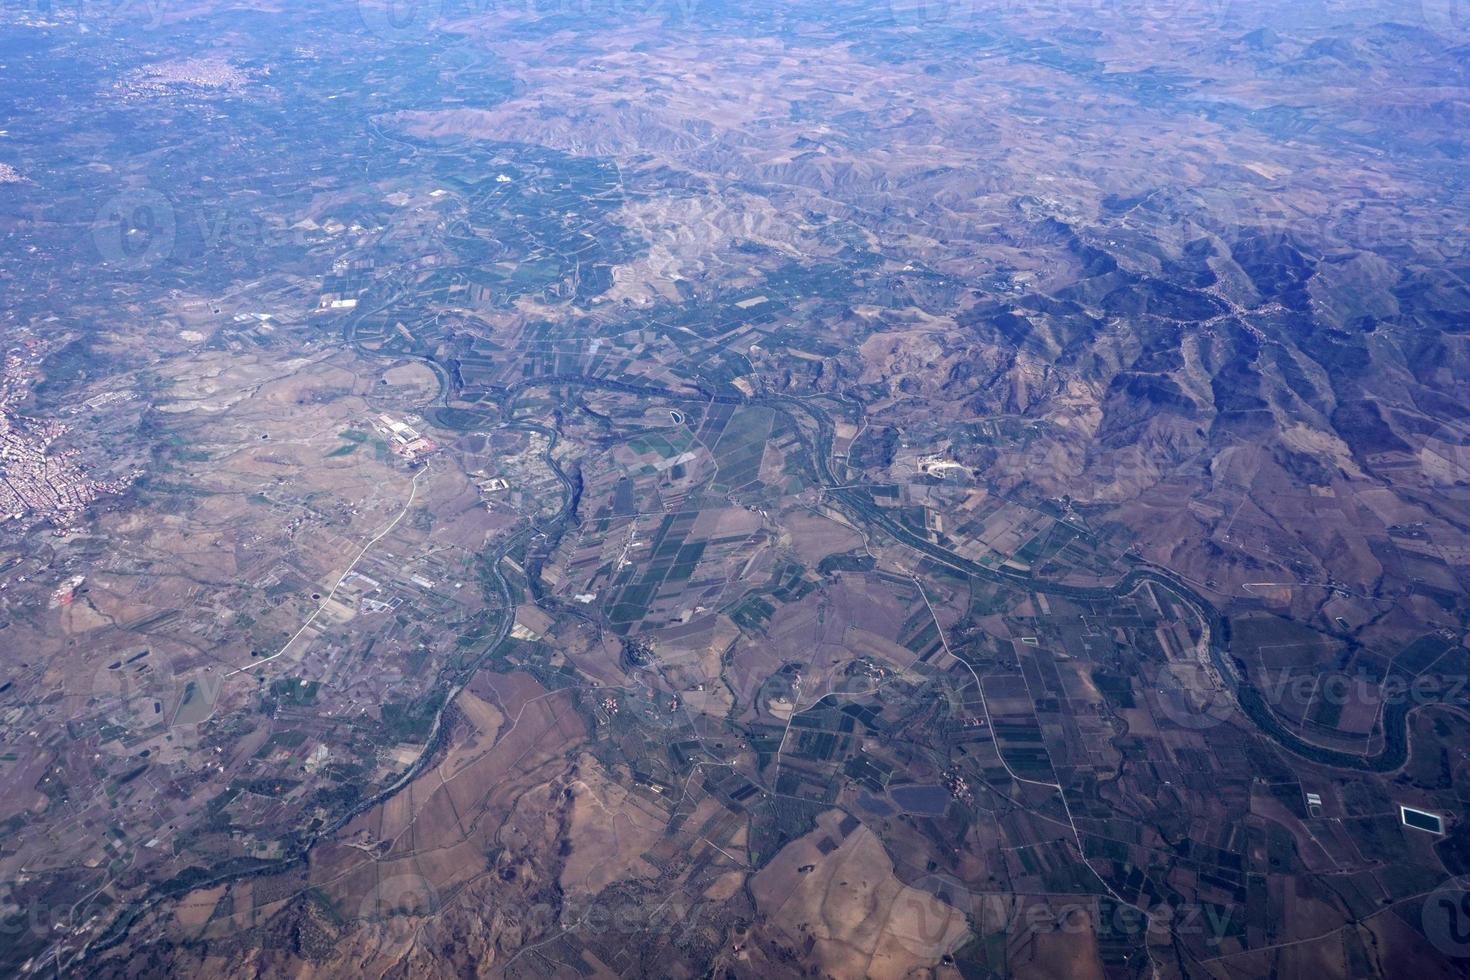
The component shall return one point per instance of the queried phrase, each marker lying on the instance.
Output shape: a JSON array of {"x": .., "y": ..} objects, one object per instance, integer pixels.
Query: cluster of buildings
[
  {"x": 403, "y": 438},
  {"x": 166, "y": 78},
  {"x": 34, "y": 481},
  {"x": 67, "y": 591}
]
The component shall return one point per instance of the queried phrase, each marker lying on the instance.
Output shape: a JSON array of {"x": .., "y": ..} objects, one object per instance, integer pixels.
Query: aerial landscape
[{"x": 735, "y": 488}]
